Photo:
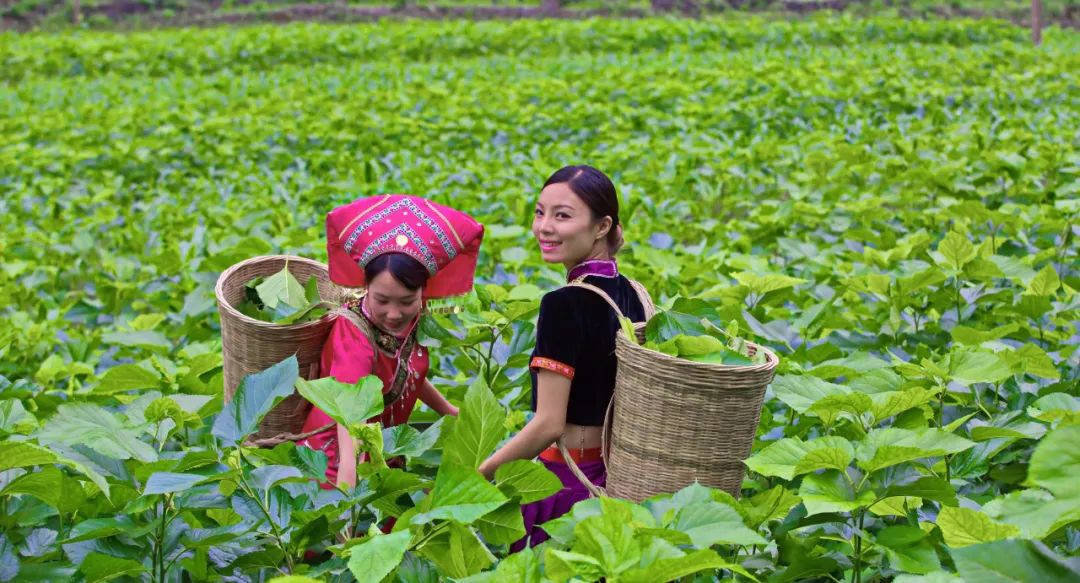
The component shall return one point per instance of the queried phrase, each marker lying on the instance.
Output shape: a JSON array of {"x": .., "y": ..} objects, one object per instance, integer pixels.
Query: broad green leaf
[
  {"x": 147, "y": 339},
  {"x": 1032, "y": 360},
  {"x": 974, "y": 337},
  {"x": 46, "y": 484},
  {"x": 100, "y": 567},
  {"x": 1054, "y": 407},
  {"x": 14, "y": 418},
  {"x": 801, "y": 392},
  {"x": 675, "y": 568},
  {"x": 710, "y": 523},
  {"x": 886, "y": 405},
  {"x": 1055, "y": 464},
  {"x": 127, "y": 377},
  {"x": 21, "y": 454},
  {"x": 1045, "y": 282},
  {"x": 267, "y": 477},
  {"x": 527, "y": 480},
  {"x": 787, "y": 458},
  {"x": 831, "y": 491},
  {"x": 521, "y": 567},
  {"x": 256, "y": 395},
  {"x": 887, "y": 447},
  {"x": 282, "y": 288},
  {"x": 1012, "y": 560},
  {"x": 460, "y": 494},
  {"x": 970, "y": 366},
  {"x": 830, "y": 408},
  {"x": 935, "y": 577},
  {"x": 772, "y": 504},
  {"x": 608, "y": 539},
  {"x": 1030, "y": 430},
  {"x": 963, "y": 527},
  {"x": 502, "y": 526},
  {"x": 763, "y": 284},
  {"x": 169, "y": 482},
  {"x": 926, "y": 487},
  {"x": 457, "y": 552},
  {"x": 349, "y": 405},
  {"x": 406, "y": 441},
  {"x": 896, "y": 506},
  {"x": 908, "y": 549},
  {"x": 477, "y": 429},
  {"x": 956, "y": 250},
  {"x": 563, "y": 566},
  {"x": 98, "y": 429},
  {"x": 1035, "y": 512},
  {"x": 378, "y": 555}
]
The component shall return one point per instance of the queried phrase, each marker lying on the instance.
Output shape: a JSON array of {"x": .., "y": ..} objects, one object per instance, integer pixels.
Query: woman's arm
[
  {"x": 434, "y": 399},
  {"x": 346, "y": 473},
  {"x": 552, "y": 396}
]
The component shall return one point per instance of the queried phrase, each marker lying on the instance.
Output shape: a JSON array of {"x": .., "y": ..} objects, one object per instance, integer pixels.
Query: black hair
[
  {"x": 409, "y": 272},
  {"x": 596, "y": 190}
]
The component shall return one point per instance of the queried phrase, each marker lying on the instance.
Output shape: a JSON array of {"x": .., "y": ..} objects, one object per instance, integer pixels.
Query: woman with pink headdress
[{"x": 402, "y": 250}]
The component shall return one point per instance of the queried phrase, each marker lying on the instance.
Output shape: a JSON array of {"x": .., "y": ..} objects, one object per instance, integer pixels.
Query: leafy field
[{"x": 891, "y": 205}]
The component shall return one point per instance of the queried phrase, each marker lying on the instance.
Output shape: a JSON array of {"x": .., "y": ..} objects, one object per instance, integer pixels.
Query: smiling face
[
  {"x": 566, "y": 229},
  {"x": 392, "y": 306}
]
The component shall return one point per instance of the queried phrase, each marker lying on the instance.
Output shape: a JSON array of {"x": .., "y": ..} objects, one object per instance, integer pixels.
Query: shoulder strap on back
[{"x": 643, "y": 296}]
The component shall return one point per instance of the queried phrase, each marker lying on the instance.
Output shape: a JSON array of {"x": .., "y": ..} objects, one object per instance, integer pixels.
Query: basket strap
[{"x": 605, "y": 433}]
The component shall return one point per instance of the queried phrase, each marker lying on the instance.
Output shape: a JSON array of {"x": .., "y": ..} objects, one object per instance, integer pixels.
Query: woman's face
[
  {"x": 565, "y": 229},
  {"x": 391, "y": 305}
]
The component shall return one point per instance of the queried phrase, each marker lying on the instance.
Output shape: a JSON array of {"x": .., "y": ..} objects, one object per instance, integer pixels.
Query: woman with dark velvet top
[{"x": 576, "y": 224}]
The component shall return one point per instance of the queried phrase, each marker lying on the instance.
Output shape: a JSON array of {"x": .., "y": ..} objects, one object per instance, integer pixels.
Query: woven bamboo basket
[
  {"x": 677, "y": 421},
  {"x": 250, "y": 345}
]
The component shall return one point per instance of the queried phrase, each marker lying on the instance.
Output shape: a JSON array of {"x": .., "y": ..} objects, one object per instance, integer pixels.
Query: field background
[{"x": 890, "y": 203}]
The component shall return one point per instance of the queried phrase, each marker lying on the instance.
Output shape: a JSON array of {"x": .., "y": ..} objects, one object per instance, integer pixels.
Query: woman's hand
[{"x": 553, "y": 394}]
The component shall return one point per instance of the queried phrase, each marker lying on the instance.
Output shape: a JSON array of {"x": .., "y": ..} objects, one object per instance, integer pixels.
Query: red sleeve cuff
[{"x": 552, "y": 365}]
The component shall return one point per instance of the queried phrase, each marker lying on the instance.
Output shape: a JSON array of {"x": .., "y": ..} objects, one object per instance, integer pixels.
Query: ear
[{"x": 604, "y": 225}]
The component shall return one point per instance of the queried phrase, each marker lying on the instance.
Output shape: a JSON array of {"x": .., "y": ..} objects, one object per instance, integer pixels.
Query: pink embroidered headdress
[{"x": 444, "y": 240}]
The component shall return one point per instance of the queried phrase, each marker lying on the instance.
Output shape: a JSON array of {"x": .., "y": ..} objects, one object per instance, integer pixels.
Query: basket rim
[
  {"x": 227, "y": 309},
  {"x": 771, "y": 359}
]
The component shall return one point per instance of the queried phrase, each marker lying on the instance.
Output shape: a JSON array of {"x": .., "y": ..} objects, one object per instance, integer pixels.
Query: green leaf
[
  {"x": 763, "y": 284},
  {"x": 975, "y": 337},
  {"x": 888, "y": 447},
  {"x": 830, "y": 408},
  {"x": 147, "y": 339},
  {"x": 502, "y": 526},
  {"x": 801, "y": 392},
  {"x": 477, "y": 430},
  {"x": 349, "y": 405},
  {"x": 563, "y": 566},
  {"x": 963, "y": 527},
  {"x": 1055, "y": 464},
  {"x": 675, "y": 568},
  {"x": 169, "y": 482},
  {"x": 527, "y": 480},
  {"x": 710, "y": 523},
  {"x": 790, "y": 457},
  {"x": 98, "y": 567},
  {"x": 21, "y": 454},
  {"x": 609, "y": 539},
  {"x": 886, "y": 405},
  {"x": 98, "y": 429},
  {"x": 956, "y": 250},
  {"x": 908, "y": 549},
  {"x": 927, "y": 487},
  {"x": 282, "y": 288},
  {"x": 970, "y": 366},
  {"x": 935, "y": 577},
  {"x": 1035, "y": 512},
  {"x": 127, "y": 377},
  {"x": 256, "y": 395},
  {"x": 1045, "y": 283},
  {"x": 831, "y": 491},
  {"x": 14, "y": 418},
  {"x": 378, "y": 555},
  {"x": 1032, "y": 360},
  {"x": 775, "y": 503},
  {"x": 457, "y": 552},
  {"x": 46, "y": 484},
  {"x": 460, "y": 494},
  {"x": 1054, "y": 407},
  {"x": 1012, "y": 560}
]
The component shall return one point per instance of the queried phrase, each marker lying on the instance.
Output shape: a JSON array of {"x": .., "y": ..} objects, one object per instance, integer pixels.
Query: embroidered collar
[{"x": 598, "y": 267}]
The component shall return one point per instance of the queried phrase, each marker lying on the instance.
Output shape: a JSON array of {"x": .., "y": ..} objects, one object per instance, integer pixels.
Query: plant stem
[
  {"x": 264, "y": 507},
  {"x": 856, "y": 573}
]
